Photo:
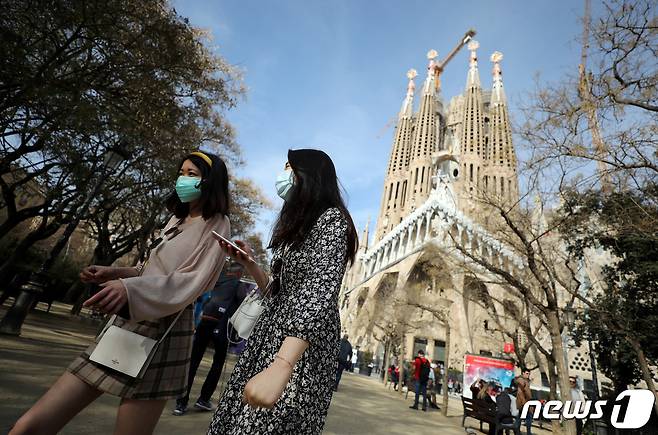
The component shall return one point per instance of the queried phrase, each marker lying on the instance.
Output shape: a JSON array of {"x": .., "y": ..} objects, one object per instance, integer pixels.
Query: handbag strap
[{"x": 171, "y": 325}]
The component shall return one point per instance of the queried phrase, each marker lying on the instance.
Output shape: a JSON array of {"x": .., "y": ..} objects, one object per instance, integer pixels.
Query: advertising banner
[{"x": 489, "y": 369}]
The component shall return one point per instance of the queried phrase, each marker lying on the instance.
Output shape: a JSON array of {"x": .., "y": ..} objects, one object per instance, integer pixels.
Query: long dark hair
[
  {"x": 214, "y": 188},
  {"x": 315, "y": 191}
]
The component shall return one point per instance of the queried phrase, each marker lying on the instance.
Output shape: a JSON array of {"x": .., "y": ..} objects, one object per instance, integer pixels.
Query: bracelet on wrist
[{"x": 285, "y": 361}]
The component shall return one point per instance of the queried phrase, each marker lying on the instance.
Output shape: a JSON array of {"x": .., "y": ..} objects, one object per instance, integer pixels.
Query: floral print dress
[{"x": 305, "y": 307}]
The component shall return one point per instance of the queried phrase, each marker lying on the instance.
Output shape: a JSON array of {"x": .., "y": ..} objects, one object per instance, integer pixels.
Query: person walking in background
[
  {"x": 422, "y": 370},
  {"x": 438, "y": 378},
  {"x": 394, "y": 375},
  {"x": 431, "y": 390},
  {"x": 224, "y": 301},
  {"x": 523, "y": 395},
  {"x": 355, "y": 359},
  {"x": 285, "y": 377},
  {"x": 183, "y": 263},
  {"x": 344, "y": 356},
  {"x": 577, "y": 402}
]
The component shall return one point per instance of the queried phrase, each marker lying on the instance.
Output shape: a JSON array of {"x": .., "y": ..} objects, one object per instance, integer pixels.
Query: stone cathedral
[{"x": 441, "y": 155}]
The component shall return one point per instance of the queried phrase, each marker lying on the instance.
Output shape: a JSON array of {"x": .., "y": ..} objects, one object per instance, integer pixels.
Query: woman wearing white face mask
[
  {"x": 287, "y": 372},
  {"x": 185, "y": 262}
]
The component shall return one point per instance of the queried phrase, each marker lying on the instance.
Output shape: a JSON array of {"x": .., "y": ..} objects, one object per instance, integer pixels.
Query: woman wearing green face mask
[{"x": 185, "y": 262}]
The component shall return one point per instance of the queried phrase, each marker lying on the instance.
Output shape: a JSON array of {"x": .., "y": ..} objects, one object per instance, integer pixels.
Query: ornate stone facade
[{"x": 440, "y": 160}]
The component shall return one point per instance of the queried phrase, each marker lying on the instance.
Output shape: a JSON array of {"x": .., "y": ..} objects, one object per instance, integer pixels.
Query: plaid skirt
[{"x": 166, "y": 375}]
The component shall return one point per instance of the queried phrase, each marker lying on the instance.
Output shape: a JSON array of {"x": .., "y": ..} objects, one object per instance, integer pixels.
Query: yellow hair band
[{"x": 203, "y": 156}]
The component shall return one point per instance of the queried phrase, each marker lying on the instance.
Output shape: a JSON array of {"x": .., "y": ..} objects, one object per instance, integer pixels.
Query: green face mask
[{"x": 188, "y": 188}]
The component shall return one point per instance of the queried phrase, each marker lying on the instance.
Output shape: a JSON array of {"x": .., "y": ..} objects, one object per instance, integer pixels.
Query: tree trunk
[
  {"x": 561, "y": 368},
  {"x": 644, "y": 366},
  {"x": 552, "y": 379},
  {"x": 401, "y": 382},
  {"x": 386, "y": 357},
  {"x": 445, "y": 372}
]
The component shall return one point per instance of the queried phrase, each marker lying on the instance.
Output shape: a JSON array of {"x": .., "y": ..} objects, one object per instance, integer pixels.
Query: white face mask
[{"x": 284, "y": 183}]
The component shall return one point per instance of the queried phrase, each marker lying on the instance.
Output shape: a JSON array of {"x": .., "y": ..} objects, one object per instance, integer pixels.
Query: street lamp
[{"x": 34, "y": 286}]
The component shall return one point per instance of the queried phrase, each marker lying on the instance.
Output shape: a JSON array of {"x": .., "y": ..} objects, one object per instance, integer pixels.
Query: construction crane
[
  {"x": 589, "y": 107},
  {"x": 440, "y": 66},
  {"x": 438, "y": 69}
]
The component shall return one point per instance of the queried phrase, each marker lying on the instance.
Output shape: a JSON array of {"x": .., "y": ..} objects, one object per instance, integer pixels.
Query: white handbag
[
  {"x": 245, "y": 317},
  {"x": 126, "y": 351}
]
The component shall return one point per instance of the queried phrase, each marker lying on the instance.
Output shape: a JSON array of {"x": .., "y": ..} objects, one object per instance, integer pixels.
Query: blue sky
[{"x": 331, "y": 74}]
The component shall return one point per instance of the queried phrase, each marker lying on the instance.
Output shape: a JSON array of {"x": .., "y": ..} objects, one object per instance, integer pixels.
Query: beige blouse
[{"x": 178, "y": 270}]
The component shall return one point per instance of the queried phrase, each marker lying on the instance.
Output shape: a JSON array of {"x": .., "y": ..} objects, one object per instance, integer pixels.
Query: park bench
[
  {"x": 477, "y": 410},
  {"x": 480, "y": 411}
]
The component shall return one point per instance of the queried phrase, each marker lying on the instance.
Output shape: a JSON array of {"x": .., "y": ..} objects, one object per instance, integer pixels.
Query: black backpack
[{"x": 424, "y": 370}]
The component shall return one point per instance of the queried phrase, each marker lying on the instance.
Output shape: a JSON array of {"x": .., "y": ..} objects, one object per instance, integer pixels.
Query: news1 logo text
[{"x": 630, "y": 410}]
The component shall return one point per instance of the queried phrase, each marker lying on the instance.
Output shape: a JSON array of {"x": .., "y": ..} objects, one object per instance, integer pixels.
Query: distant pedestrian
[
  {"x": 394, "y": 375},
  {"x": 355, "y": 358},
  {"x": 224, "y": 301},
  {"x": 451, "y": 385},
  {"x": 344, "y": 356},
  {"x": 438, "y": 378},
  {"x": 523, "y": 395},
  {"x": 577, "y": 402},
  {"x": 422, "y": 370},
  {"x": 185, "y": 261},
  {"x": 431, "y": 390}
]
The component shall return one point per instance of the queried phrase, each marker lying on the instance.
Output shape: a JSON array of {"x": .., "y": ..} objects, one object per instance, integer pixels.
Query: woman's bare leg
[
  {"x": 64, "y": 400},
  {"x": 138, "y": 417}
]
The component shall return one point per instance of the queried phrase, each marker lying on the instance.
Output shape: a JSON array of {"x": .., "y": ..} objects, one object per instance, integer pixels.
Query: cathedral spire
[
  {"x": 429, "y": 86},
  {"x": 408, "y": 105},
  {"x": 395, "y": 184},
  {"x": 497, "y": 90},
  {"x": 364, "y": 240},
  {"x": 502, "y": 175},
  {"x": 473, "y": 78}
]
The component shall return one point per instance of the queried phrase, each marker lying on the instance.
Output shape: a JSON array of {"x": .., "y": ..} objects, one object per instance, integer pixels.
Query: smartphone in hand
[{"x": 230, "y": 243}]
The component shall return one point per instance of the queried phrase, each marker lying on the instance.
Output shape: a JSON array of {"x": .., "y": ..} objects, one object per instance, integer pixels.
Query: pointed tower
[
  {"x": 363, "y": 244},
  {"x": 395, "y": 183},
  {"x": 501, "y": 177},
  {"x": 424, "y": 141},
  {"x": 472, "y": 128}
]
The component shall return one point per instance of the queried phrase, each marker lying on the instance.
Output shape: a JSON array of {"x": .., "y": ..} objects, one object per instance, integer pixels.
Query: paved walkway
[{"x": 31, "y": 363}]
